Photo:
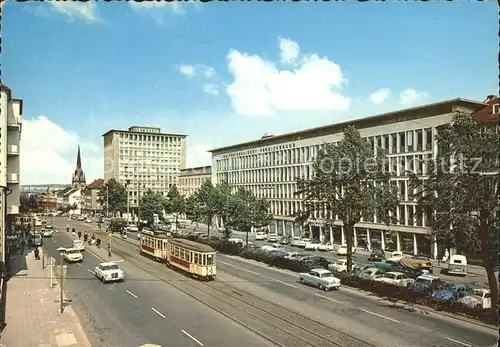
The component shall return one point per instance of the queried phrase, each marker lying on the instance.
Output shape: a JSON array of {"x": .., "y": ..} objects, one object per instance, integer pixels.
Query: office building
[
  {"x": 11, "y": 111},
  {"x": 269, "y": 167},
  {"x": 192, "y": 178},
  {"x": 143, "y": 158}
]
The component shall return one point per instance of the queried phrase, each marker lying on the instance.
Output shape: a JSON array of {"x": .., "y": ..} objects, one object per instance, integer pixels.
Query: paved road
[
  {"x": 350, "y": 311},
  {"x": 142, "y": 309}
]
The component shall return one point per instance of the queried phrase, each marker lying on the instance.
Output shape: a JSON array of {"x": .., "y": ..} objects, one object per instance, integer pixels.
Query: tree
[
  {"x": 117, "y": 225},
  {"x": 227, "y": 206},
  {"x": 115, "y": 194},
  {"x": 151, "y": 203},
  {"x": 349, "y": 183},
  {"x": 175, "y": 203},
  {"x": 461, "y": 190},
  {"x": 28, "y": 203},
  {"x": 206, "y": 203}
]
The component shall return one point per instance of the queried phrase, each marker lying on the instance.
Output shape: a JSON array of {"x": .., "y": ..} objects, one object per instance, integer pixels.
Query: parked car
[
  {"x": 88, "y": 220},
  {"x": 343, "y": 250},
  {"x": 313, "y": 245},
  {"x": 272, "y": 238},
  {"x": 395, "y": 278},
  {"x": 313, "y": 262},
  {"x": 377, "y": 254},
  {"x": 303, "y": 242},
  {"x": 426, "y": 284},
  {"x": 340, "y": 266},
  {"x": 295, "y": 241},
  {"x": 396, "y": 256},
  {"x": 370, "y": 273},
  {"x": 277, "y": 254},
  {"x": 321, "y": 278},
  {"x": 293, "y": 256},
  {"x": 260, "y": 236},
  {"x": 326, "y": 247},
  {"x": 285, "y": 240},
  {"x": 132, "y": 228},
  {"x": 47, "y": 232}
]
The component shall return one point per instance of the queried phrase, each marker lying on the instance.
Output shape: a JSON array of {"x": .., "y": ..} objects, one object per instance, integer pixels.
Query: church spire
[{"x": 78, "y": 159}]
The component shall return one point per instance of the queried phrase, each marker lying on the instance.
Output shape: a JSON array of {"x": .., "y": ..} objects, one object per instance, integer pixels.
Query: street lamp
[{"x": 61, "y": 251}]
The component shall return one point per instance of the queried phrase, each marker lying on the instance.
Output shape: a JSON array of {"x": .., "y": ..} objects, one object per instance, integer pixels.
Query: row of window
[
  {"x": 192, "y": 257},
  {"x": 154, "y": 243},
  {"x": 395, "y": 143},
  {"x": 150, "y": 138},
  {"x": 192, "y": 181}
]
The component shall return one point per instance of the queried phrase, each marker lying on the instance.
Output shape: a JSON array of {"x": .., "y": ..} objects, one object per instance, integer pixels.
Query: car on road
[
  {"x": 377, "y": 254},
  {"x": 109, "y": 272},
  {"x": 260, "y": 236},
  {"x": 88, "y": 220},
  {"x": 81, "y": 218},
  {"x": 79, "y": 244},
  {"x": 303, "y": 242},
  {"x": 396, "y": 256},
  {"x": 285, "y": 240},
  {"x": 132, "y": 228},
  {"x": 343, "y": 250},
  {"x": 370, "y": 273},
  {"x": 313, "y": 245},
  {"x": 293, "y": 256},
  {"x": 395, "y": 278},
  {"x": 47, "y": 232},
  {"x": 295, "y": 241},
  {"x": 321, "y": 278},
  {"x": 341, "y": 266},
  {"x": 72, "y": 255},
  {"x": 272, "y": 238},
  {"x": 326, "y": 247}
]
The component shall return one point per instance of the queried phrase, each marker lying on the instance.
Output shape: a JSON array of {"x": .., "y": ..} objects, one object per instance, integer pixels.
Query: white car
[
  {"x": 395, "y": 278},
  {"x": 343, "y": 250},
  {"x": 340, "y": 266},
  {"x": 321, "y": 278},
  {"x": 313, "y": 245},
  {"x": 81, "y": 219},
  {"x": 396, "y": 256},
  {"x": 272, "y": 238},
  {"x": 267, "y": 248},
  {"x": 295, "y": 241},
  {"x": 326, "y": 247},
  {"x": 88, "y": 220},
  {"x": 303, "y": 242},
  {"x": 72, "y": 255},
  {"x": 260, "y": 236},
  {"x": 47, "y": 232},
  {"x": 79, "y": 244},
  {"x": 293, "y": 256},
  {"x": 109, "y": 272},
  {"x": 132, "y": 228}
]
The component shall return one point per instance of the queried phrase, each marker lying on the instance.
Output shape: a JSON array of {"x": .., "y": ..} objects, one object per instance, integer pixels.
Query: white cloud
[
  {"x": 260, "y": 88},
  {"x": 380, "y": 95},
  {"x": 211, "y": 89},
  {"x": 75, "y": 9},
  {"x": 48, "y": 153},
  {"x": 290, "y": 51},
  {"x": 187, "y": 70},
  {"x": 411, "y": 96},
  {"x": 208, "y": 72},
  {"x": 198, "y": 155},
  {"x": 174, "y": 7}
]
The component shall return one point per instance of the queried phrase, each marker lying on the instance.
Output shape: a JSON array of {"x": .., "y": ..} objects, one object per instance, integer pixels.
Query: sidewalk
[{"x": 32, "y": 313}]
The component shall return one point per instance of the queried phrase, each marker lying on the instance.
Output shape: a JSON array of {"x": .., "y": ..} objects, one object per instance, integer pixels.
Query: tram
[
  {"x": 196, "y": 259},
  {"x": 154, "y": 244}
]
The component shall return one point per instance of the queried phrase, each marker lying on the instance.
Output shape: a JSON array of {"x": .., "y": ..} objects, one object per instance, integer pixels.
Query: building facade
[
  {"x": 144, "y": 158},
  {"x": 11, "y": 111},
  {"x": 192, "y": 178},
  {"x": 47, "y": 202},
  {"x": 92, "y": 204},
  {"x": 78, "y": 180},
  {"x": 269, "y": 168}
]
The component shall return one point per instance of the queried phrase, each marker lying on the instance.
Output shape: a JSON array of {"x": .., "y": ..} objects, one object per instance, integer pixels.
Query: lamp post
[{"x": 61, "y": 278}]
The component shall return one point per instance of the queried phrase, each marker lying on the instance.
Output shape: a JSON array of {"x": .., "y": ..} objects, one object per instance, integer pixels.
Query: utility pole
[
  {"x": 128, "y": 200},
  {"x": 62, "y": 285}
]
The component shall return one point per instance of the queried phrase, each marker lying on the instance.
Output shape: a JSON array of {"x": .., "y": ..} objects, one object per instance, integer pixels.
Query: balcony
[
  {"x": 12, "y": 150},
  {"x": 12, "y": 178}
]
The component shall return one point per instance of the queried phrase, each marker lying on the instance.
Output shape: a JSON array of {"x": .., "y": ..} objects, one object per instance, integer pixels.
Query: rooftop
[
  {"x": 199, "y": 170},
  {"x": 395, "y": 116},
  {"x": 132, "y": 130}
]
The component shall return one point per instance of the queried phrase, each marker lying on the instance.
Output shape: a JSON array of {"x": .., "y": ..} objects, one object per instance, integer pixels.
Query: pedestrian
[
  {"x": 85, "y": 236},
  {"x": 22, "y": 246},
  {"x": 79, "y": 235}
]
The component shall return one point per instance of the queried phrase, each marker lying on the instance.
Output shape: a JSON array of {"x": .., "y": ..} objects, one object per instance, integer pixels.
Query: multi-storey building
[
  {"x": 192, "y": 178},
  {"x": 47, "y": 202},
  {"x": 269, "y": 168},
  {"x": 92, "y": 204},
  {"x": 143, "y": 158},
  {"x": 11, "y": 111}
]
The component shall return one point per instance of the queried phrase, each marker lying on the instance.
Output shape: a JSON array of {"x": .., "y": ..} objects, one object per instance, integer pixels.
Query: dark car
[
  {"x": 285, "y": 240},
  {"x": 315, "y": 262},
  {"x": 377, "y": 254}
]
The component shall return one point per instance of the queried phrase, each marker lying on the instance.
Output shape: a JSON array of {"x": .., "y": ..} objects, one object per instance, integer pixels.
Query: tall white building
[
  {"x": 269, "y": 168},
  {"x": 10, "y": 138},
  {"x": 143, "y": 158},
  {"x": 191, "y": 179}
]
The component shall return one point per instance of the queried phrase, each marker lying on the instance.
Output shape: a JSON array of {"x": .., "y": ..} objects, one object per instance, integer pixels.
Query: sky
[{"x": 225, "y": 73}]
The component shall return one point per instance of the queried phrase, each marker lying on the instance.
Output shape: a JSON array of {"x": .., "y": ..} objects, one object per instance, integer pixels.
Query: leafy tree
[
  {"x": 175, "y": 203},
  {"x": 206, "y": 203},
  {"x": 117, "y": 225},
  {"x": 114, "y": 193},
  {"x": 349, "y": 183},
  {"x": 151, "y": 203},
  {"x": 227, "y": 207},
  {"x": 28, "y": 203},
  {"x": 73, "y": 206},
  {"x": 192, "y": 209},
  {"x": 461, "y": 190}
]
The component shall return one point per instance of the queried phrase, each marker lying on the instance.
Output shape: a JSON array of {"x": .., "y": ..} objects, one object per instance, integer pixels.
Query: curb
[{"x": 373, "y": 295}]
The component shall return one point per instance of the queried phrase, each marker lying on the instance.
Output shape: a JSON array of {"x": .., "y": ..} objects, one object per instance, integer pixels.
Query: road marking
[
  {"x": 459, "y": 342},
  {"x": 252, "y": 272},
  {"x": 286, "y": 284},
  {"x": 327, "y": 298},
  {"x": 80, "y": 265},
  {"x": 92, "y": 272},
  {"x": 223, "y": 262},
  {"x": 135, "y": 296},
  {"x": 379, "y": 315},
  {"x": 192, "y": 338},
  {"x": 159, "y": 313}
]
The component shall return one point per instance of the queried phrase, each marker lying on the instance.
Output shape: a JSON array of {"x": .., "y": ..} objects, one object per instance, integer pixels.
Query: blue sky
[{"x": 224, "y": 73}]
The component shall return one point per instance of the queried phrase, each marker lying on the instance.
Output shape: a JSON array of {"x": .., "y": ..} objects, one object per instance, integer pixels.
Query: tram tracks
[{"x": 279, "y": 325}]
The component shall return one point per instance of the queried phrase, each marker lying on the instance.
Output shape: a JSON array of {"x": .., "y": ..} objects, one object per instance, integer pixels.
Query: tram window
[
  {"x": 210, "y": 259},
  {"x": 181, "y": 253},
  {"x": 196, "y": 258},
  {"x": 190, "y": 257},
  {"x": 176, "y": 252},
  {"x": 204, "y": 259}
]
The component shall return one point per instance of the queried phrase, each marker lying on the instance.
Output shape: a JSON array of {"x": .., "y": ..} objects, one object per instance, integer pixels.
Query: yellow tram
[
  {"x": 154, "y": 244},
  {"x": 195, "y": 258}
]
